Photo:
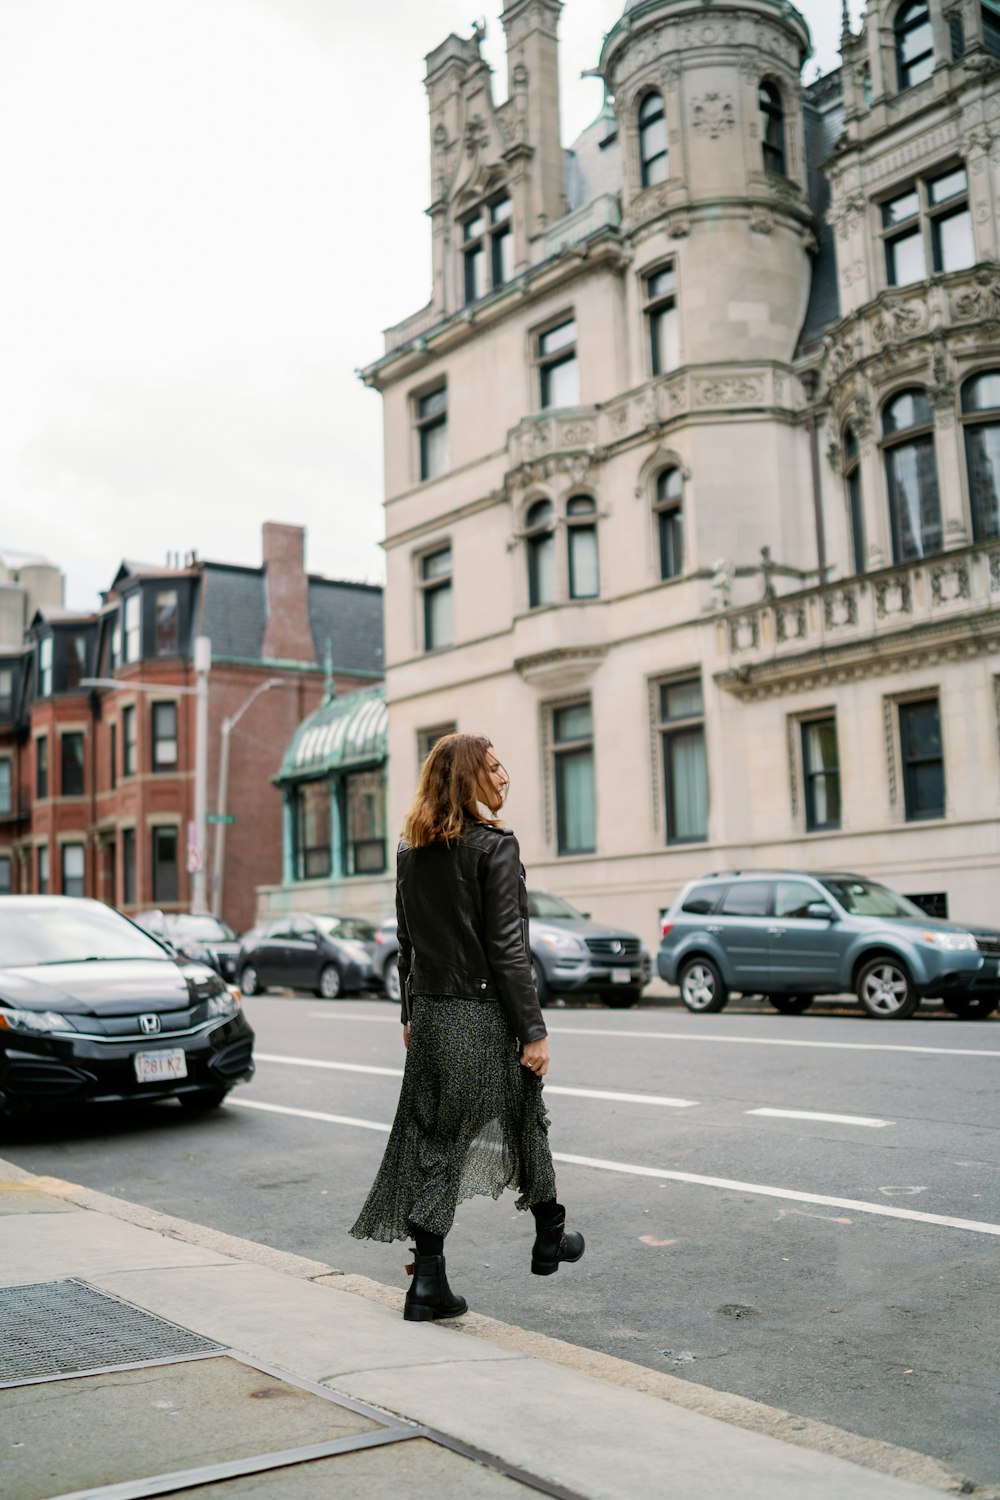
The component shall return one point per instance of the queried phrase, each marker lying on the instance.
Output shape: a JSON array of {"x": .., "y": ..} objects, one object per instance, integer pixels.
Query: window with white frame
[
  {"x": 540, "y": 542},
  {"x": 573, "y": 776},
  {"x": 73, "y": 871},
  {"x": 133, "y": 627},
  {"x": 681, "y": 723},
  {"x": 437, "y": 598},
  {"x": 45, "y": 667},
  {"x": 654, "y": 148},
  {"x": 581, "y": 547},
  {"x": 928, "y": 227},
  {"x": 129, "y": 744},
  {"x": 432, "y": 432},
  {"x": 487, "y": 248},
  {"x": 558, "y": 366},
  {"x": 662, "y": 325},
  {"x": 164, "y": 717},
  {"x": 668, "y": 509},
  {"x": 914, "y": 44}
]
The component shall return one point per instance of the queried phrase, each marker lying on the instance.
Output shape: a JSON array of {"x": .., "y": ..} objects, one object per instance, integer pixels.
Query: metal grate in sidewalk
[{"x": 52, "y": 1328}]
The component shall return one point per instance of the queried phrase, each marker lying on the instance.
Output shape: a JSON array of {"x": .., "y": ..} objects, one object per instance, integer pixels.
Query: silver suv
[
  {"x": 792, "y": 935},
  {"x": 573, "y": 955}
]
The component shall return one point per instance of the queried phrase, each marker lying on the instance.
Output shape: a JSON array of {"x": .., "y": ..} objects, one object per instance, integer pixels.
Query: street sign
[{"x": 220, "y": 817}]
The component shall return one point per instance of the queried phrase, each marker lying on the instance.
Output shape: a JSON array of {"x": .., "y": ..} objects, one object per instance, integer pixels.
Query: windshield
[
  {"x": 57, "y": 934},
  {"x": 543, "y": 904},
  {"x": 863, "y": 898},
  {"x": 347, "y": 927},
  {"x": 208, "y": 929}
]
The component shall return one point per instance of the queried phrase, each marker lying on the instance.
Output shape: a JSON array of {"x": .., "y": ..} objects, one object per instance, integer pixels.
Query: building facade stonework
[{"x": 693, "y": 458}]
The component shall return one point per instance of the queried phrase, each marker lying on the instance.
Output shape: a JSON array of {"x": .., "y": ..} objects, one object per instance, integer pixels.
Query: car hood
[
  {"x": 928, "y": 924},
  {"x": 581, "y": 927},
  {"x": 120, "y": 988}
]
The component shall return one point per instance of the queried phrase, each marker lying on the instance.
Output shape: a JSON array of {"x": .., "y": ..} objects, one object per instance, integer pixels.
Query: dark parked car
[
  {"x": 329, "y": 955},
  {"x": 94, "y": 1009},
  {"x": 205, "y": 939},
  {"x": 792, "y": 935},
  {"x": 573, "y": 955}
]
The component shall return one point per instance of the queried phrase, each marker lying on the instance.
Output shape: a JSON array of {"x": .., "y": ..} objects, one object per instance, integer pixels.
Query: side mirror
[{"x": 820, "y": 912}]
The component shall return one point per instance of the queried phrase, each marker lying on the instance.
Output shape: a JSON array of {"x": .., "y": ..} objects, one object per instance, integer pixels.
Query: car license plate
[
  {"x": 160, "y": 1067},
  {"x": 620, "y": 976}
]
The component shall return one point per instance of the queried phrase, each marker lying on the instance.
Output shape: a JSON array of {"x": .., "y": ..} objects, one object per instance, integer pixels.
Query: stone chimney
[{"x": 287, "y": 636}]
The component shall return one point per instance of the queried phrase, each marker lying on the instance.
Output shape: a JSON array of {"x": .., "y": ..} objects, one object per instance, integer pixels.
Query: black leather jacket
[{"x": 462, "y": 915}]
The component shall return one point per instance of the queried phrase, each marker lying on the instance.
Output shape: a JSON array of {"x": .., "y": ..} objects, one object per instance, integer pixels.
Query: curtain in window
[
  {"x": 575, "y": 801},
  {"x": 687, "y": 785}
]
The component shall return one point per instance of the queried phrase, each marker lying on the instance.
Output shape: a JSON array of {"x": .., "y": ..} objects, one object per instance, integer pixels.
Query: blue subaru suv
[{"x": 792, "y": 935}]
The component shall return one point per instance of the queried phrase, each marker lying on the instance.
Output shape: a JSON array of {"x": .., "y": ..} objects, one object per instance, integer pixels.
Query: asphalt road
[{"x": 846, "y": 1269}]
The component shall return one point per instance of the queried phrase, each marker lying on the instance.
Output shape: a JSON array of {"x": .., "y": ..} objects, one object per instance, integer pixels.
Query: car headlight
[
  {"x": 222, "y": 1004},
  {"x": 951, "y": 942},
  {"x": 356, "y": 950},
  {"x": 33, "y": 1020},
  {"x": 561, "y": 941}
]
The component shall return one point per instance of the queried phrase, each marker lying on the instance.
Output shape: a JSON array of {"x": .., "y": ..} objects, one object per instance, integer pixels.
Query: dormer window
[
  {"x": 654, "y": 151},
  {"x": 45, "y": 667},
  {"x": 914, "y": 44},
  {"x": 487, "y": 248},
  {"x": 133, "y": 627}
]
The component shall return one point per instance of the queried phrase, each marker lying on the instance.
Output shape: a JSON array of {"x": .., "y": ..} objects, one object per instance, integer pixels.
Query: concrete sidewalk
[{"x": 219, "y": 1368}]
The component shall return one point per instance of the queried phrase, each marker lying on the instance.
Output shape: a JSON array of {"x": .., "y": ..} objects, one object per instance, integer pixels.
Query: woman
[{"x": 470, "y": 1117}]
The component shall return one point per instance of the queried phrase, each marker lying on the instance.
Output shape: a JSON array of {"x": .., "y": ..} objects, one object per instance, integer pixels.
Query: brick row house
[{"x": 97, "y": 727}]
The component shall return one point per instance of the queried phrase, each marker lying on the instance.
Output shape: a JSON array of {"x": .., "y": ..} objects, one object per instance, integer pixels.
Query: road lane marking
[
  {"x": 810, "y": 1114},
  {"x": 662, "y": 1100},
  {"x": 694, "y": 1179},
  {"x": 705, "y": 1036}
]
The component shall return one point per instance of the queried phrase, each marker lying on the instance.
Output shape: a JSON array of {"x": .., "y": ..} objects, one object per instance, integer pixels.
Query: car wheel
[
  {"x": 250, "y": 980},
  {"x": 202, "y": 1099},
  {"x": 886, "y": 990},
  {"x": 972, "y": 1007},
  {"x": 791, "y": 1005},
  {"x": 620, "y": 999},
  {"x": 540, "y": 982},
  {"x": 702, "y": 986},
  {"x": 390, "y": 978},
  {"x": 330, "y": 983}
]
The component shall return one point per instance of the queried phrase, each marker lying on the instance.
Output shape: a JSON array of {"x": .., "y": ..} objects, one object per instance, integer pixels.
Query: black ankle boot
[
  {"x": 553, "y": 1243},
  {"x": 429, "y": 1295}
]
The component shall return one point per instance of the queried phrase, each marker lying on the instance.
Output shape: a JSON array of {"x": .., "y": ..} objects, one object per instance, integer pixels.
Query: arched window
[
  {"x": 653, "y": 147},
  {"x": 911, "y": 473},
  {"x": 772, "y": 129},
  {"x": 981, "y": 419},
  {"x": 581, "y": 539},
  {"x": 855, "y": 503},
  {"x": 669, "y": 510},
  {"x": 541, "y": 538},
  {"x": 914, "y": 44}
]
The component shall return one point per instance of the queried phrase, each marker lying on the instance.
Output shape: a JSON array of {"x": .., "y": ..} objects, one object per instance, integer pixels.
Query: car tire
[
  {"x": 621, "y": 999},
  {"x": 331, "y": 983},
  {"x": 791, "y": 1005},
  {"x": 390, "y": 979},
  {"x": 202, "y": 1099},
  {"x": 885, "y": 990},
  {"x": 703, "y": 990},
  {"x": 972, "y": 1007},
  {"x": 540, "y": 982},
  {"x": 250, "y": 981}
]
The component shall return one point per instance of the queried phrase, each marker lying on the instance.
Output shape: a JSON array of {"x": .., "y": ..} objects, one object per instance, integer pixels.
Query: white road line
[
  {"x": 706, "y": 1036},
  {"x": 879, "y": 1210},
  {"x": 550, "y": 1088},
  {"x": 809, "y": 1114}
]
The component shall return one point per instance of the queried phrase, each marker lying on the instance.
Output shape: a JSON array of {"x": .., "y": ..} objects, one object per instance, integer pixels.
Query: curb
[{"x": 736, "y": 1411}]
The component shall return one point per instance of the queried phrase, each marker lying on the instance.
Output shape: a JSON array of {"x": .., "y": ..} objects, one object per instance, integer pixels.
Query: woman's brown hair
[{"x": 453, "y": 780}]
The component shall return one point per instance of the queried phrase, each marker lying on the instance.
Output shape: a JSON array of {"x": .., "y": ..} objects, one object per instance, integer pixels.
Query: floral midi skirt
[{"x": 470, "y": 1120}]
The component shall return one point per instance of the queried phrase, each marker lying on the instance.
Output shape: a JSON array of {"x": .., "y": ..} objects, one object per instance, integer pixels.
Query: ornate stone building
[{"x": 693, "y": 458}]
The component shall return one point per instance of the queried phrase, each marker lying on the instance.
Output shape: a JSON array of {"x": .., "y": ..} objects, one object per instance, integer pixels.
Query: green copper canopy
[{"x": 340, "y": 734}]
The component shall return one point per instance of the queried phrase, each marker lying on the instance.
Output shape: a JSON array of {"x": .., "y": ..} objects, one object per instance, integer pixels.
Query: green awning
[{"x": 346, "y": 732}]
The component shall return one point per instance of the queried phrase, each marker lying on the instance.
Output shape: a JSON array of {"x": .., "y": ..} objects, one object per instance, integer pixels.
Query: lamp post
[{"x": 225, "y": 733}]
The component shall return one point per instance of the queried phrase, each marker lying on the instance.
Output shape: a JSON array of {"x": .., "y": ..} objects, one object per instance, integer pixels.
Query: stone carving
[
  {"x": 761, "y": 222},
  {"x": 713, "y": 115},
  {"x": 835, "y": 457},
  {"x": 680, "y": 227},
  {"x": 949, "y": 581},
  {"x": 897, "y": 321},
  {"x": 840, "y": 609},
  {"x": 744, "y": 633},
  {"x": 722, "y": 581},
  {"x": 578, "y": 434},
  {"x": 791, "y": 622},
  {"x": 980, "y": 303},
  {"x": 476, "y": 135},
  {"x": 889, "y": 733},
  {"x": 893, "y": 596},
  {"x": 731, "y": 391},
  {"x": 846, "y": 216}
]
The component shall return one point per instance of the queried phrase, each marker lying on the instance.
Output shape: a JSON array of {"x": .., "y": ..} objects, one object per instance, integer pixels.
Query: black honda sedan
[
  {"x": 93, "y": 1009},
  {"x": 329, "y": 955}
]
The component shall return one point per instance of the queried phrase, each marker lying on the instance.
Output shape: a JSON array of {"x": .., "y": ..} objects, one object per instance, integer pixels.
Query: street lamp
[
  {"x": 202, "y": 665},
  {"x": 228, "y": 725}
]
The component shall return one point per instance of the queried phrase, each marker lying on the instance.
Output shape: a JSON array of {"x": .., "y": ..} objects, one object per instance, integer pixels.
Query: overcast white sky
[{"x": 211, "y": 210}]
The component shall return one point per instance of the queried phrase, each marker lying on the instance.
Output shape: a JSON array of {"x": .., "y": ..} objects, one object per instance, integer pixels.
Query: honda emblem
[{"x": 149, "y": 1024}]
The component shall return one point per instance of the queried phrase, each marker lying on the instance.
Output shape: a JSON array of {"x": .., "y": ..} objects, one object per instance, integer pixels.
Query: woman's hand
[
  {"x": 406, "y": 1035},
  {"x": 535, "y": 1055}
]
